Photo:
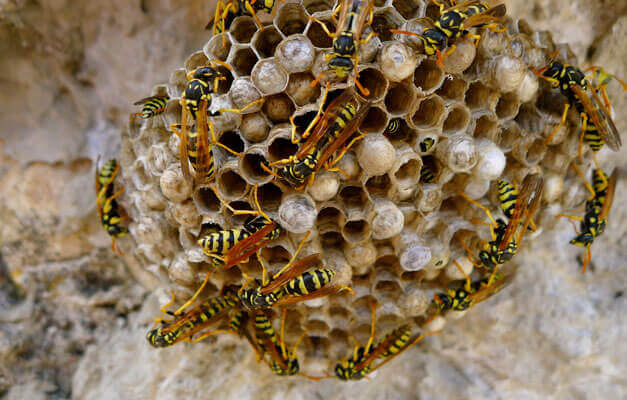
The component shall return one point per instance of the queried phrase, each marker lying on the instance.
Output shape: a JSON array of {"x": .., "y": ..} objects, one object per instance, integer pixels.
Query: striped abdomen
[
  {"x": 221, "y": 242},
  {"x": 399, "y": 338},
  {"x": 346, "y": 115},
  {"x": 153, "y": 106},
  {"x": 309, "y": 282},
  {"x": 253, "y": 299},
  {"x": 107, "y": 173},
  {"x": 599, "y": 181},
  {"x": 508, "y": 195}
]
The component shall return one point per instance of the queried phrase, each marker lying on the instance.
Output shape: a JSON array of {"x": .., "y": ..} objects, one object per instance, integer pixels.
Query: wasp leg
[
  {"x": 584, "y": 126},
  {"x": 313, "y": 123},
  {"x": 345, "y": 149},
  {"x": 323, "y": 26},
  {"x": 459, "y": 267},
  {"x": 190, "y": 301},
  {"x": 250, "y": 9},
  {"x": 210, "y": 333},
  {"x": 586, "y": 260},
  {"x": 469, "y": 254},
  {"x": 225, "y": 147},
  {"x": 373, "y": 319},
  {"x": 562, "y": 122},
  {"x": 583, "y": 178},
  {"x": 362, "y": 89}
]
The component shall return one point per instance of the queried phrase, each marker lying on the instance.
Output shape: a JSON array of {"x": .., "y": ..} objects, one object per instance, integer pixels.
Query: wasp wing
[
  {"x": 204, "y": 162},
  {"x": 494, "y": 14},
  {"x": 490, "y": 290},
  {"x": 245, "y": 248},
  {"x": 529, "y": 198},
  {"x": 609, "y": 196},
  {"x": 323, "y": 291},
  {"x": 294, "y": 271},
  {"x": 599, "y": 116}
]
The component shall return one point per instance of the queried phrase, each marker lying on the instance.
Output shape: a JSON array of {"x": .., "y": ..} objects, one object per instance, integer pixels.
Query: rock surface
[{"x": 74, "y": 315}]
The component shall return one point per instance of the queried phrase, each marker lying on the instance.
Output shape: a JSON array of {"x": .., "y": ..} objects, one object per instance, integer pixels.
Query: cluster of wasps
[{"x": 249, "y": 308}]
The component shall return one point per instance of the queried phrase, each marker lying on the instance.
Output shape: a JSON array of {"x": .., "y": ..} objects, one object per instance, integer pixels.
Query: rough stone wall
[{"x": 74, "y": 324}]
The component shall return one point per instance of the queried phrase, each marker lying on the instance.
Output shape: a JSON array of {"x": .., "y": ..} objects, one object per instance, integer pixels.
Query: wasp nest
[{"x": 390, "y": 235}]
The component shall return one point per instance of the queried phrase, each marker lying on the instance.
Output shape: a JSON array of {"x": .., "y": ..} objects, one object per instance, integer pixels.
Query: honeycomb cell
[
  {"x": 269, "y": 76},
  {"x": 270, "y": 196},
  {"x": 280, "y": 145},
  {"x": 430, "y": 198},
  {"x": 428, "y": 77},
  {"x": 507, "y": 106},
  {"x": 330, "y": 218},
  {"x": 353, "y": 198},
  {"x": 266, "y": 41},
  {"x": 215, "y": 50},
  {"x": 406, "y": 171},
  {"x": 456, "y": 120},
  {"x": 242, "y": 29},
  {"x": 233, "y": 141},
  {"x": 296, "y": 53},
  {"x": 196, "y": 60},
  {"x": 250, "y": 166},
  {"x": 242, "y": 59},
  {"x": 356, "y": 230},
  {"x": 429, "y": 112},
  {"x": 507, "y": 135},
  {"x": 528, "y": 88},
  {"x": 453, "y": 88},
  {"x": 318, "y": 36},
  {"x": 397, "y": 61},
  {"x": 299, "y": 89},
  {"x": 491, "y": 160},
  {"x": 409, "y": 8},
  {"x": 375, "y": 154},
  {"x": 230, "y": 183},
  {"x": 278, "y": 108},
  {"x": 399, "y": 99},
  {"x": 375, "y": 121},
  {"x": 385, "y": 19},
  {"x": 297, "y": 213},
  {"x": 186, "y": 214},
  {"x": 373, "y": 80},
  {"x": 206, "y": 200},
  {"x": 486, "y": 126},
  {"x": 314, "y": 6},
  {"x": 553, "y": 187},
  {"x": 462, "y": 57},
  {"x": 378, "y": 185},
  {"x": 291, "y": 19},
  {"x": 388, "y": 220},
  {"x": 254, "y": 127},
  {"x": 425, "y": 142},
  {"x": 459, "y": 153},
  {"x": 325, "y": 186},
  {"x": 481, "y": 97},
  {"x": 508, "y": 73},
  {"x": 174, "y": 186},
  {"x": 397, "y": 130},
  {"x": 530, "y": 149},
  {"x": 243, "y": 92}
]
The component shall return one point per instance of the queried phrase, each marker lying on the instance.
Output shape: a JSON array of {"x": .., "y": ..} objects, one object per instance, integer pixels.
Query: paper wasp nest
[{"x": 389, "y": 235}]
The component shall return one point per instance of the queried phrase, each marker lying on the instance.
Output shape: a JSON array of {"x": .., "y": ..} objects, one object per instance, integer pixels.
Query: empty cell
[
  {"x": 409, "y": 172},
  {"x": 329, "y": 219},
  {"x": 224, "y": 85},
  {"x": 529, "y": 149},
  {"x": 291, "y": 19},
  {"x": 331, "y": 239},
  {"x": 378, "y": 185},
  {"x": 480, "y": 97},
  {"x": 243, "y": 61},
  {"x": 266, "y": 41},
  {"x": 428, "y": 76},
  {"x": 456, "y": 120},
  {"x": 269, "y": 196},
  {"x": 281, "y": 148},
  {"x": 429, "y": 112},
  {"x": 373, "y": 80},
  {"x": 318, "y": 36},
  {"x": 231, "y": 184},
  {"x": 278, "y": 107},
  {"x": 206, "y": 200},
  {"x": 388, "y": 289},
  {"x": 300, "y": 90},
  {"x": 399, "y": 99},
  {"x": 317, "y": 327},
  {"x": 507, "y": 135},
  {"x": 233, "y": 141},
  {"x": 196, "y": 60},
  {"x": 374, "y": 121},
  {"x": 408, "y": 8},
  {"x": 507, "y": 106},
  {"x": 243, "y": 29},
  {"x": 275, "y": 255},
  {"x": 353, "y": 197},
  {"x": 384, "y": 20},
  {"x": 250, "y": 166},
  {"x": 485, "y": 127},
  {"x": 314, "y": 6},
  {"x": 453, "y": 88},
  {"x": 356, "y": 231}
]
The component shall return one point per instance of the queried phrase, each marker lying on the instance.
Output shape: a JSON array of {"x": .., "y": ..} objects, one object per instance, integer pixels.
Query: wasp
[
  {"x": 426, "y": 175},
  {"x": 455, "y": 22},
  {"x": 291, "y": 284},
  {"x": 602, "y": 78},
  {"x": 508, "y": 195},
  {"x": 324, "y": 136},
  {"x": 355, "y": 15},
  {"x": 282, "y": 362},
  {"x": 359, "y": 365},
  {"x": 185, "y": 325},
  {"x": 109, "y": 211},
  {"x": 227, "y": 11},
  {"x": 151, "y": 106},
  {"x": 597, "y": 126},
  {"x": 598, "y": 206},
  {"x": 195, "y": 148},
  {"x": 507, "y": 237}
]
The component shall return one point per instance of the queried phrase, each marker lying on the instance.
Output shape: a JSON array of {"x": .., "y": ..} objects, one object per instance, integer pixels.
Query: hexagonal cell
[
  {"x": 291, "y": 19},
  {"x": 432, "y": 11},
  {"x": 373, "y": 80},
  {"x": 296, "y": 53},
  {"x": 397, "y": 130},
  {"x": 329, "y": 219},
  {"x": 331, "y": 239},
  {"x": 530, "y": 149},
  {"x": 281, "y": 148},
  {"x": 269, "y": 196},
  {"x": 276, "y": 255},
  {"x": 507, "y": 136},
  {"x": 318, "y": 36},
  {"x": 250, "y": 166},
  {"x": 428, "y": 76},
  {"x": 314, "y": 6},
  {"x": 230, "y": 184},
  {"x": 408, "y": 173},
  {"x": 399, "y": 99},
  {"x": 453, "y": 88},
  {"x": 384, "y": 20},
  {"x": 196, "y": 60},
  {"x": 429, "y": 112},
  {"x": 507, "y": 106},
  {"x": 430, "y": 169},
  {"x": 408, "y": 8},
  {"x": 243, "y": 61},
  {"x": 457, "y": 119},
  {"x": 278, "y": 108},
  {"x": 480, "y": 97},
  {"x": 233, "y": 141},
  {"x": 378, "y": 185},
  {"x": 356, "y": 231},
  {"x": 206, "y": 200},
  {"x": 486, "y": 127},
  {"x": 353, "y": 197},
  {"x": 217, "y": 49},
  {"x": 269, "y": 76},
  {"x": 266, "y": 41},
  {"x": 254, "y": 127},
  {"x": 375, "y": 120},
  {"x": 300, "y": 90},
  {"x": 243, "y": 29}
]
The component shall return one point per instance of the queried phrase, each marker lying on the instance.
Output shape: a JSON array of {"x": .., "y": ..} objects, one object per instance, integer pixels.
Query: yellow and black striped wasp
[
  {"x": 508, "y": 196},
  {"x": 292, "y": 284},
  {"x": 325, "y": 135},
  {"x": 507, "y": 237},
  {"x": 597, "y": 126},
  {"x": 598, "y": 206},
  {"x": 282, "y": 361},
  {"x": 227, "y": 11},
  {"x": 186, "y": 324},
  {"x": 110, "y": 213},
  {"x": 455, "y": 22},
  {"x": 359, "y": 365},
  {"x": 195, "y": 147},
  {"x": 151, "y": 106},
  {"x": 355, "y": 15}
]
